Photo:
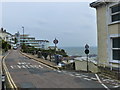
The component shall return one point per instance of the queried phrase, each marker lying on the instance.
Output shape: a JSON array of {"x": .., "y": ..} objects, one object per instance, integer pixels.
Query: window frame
[
  {"x": 113, "y": 60},
  {"x": 111, "y": 14}
]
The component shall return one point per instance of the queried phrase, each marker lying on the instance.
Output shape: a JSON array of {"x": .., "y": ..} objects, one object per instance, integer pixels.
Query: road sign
[
  {"x": 86, "y": 46},
  {"x": 86, "y": 51},
  {"x": 55, "y": 41}
]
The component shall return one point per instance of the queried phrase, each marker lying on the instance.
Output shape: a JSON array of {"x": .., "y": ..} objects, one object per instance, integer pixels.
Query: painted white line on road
[
  {"x": 36, "y": 66},
  {"x": 31, "y": 66},
  {"x": 87, "y": 79},
  {"x": 58, "y": 71},
  {"x": 18, "y": 66},
  {"x": 71, "y": 74},
  {"x": 116, "y": 86},
  {"x": 79, "y": 76},
  {"x": 101, "y": 82},
  {"x": 23, "y": 66},
  {"x": 12, "y": 67},
  {"x": 84, "y": 76},
  {"x": 93, "y": 78},
  {"x": 40, "y": 66},
  {"x": 19, "y": 63},
  {"x": 43, "y": 64},
  {"x": 27, "y": 66}
]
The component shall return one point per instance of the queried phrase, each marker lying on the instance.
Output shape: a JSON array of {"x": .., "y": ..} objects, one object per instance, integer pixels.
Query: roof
[
  {"x": 102, "y": 2},
  {"x": 4, "y": 31}
]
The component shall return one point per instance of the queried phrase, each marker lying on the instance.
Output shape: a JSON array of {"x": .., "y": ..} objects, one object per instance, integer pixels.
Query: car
[
  {"x": 14, "y": 47},
  {"x": 61, "y": 64}
]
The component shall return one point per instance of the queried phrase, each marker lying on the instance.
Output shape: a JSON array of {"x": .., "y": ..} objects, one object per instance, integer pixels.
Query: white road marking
[
  {"x": 101, "y": 82},
  {"x": 79, "y": 76},
  {"x": 93, "y": 78},
  {"x": 19, "y": 63},
  {"x": 40, "y": 66},
  {"x": 84, "y": 76},
  {"x": 23, "y": 66},
  {"x": 58, "y": 71},
  {"x": 71, "y": 74},
  {"x": 36, "y": 66},
  {"x": 18, "y": 66},
  {"x": 108, "y": 80},
  {"x": 27, "y": 66},
  {"x": 116, "y": 86},
  {"x": 32, "y": 66},
  {"x": 87, "y": 79},
  {"x": 12, "y": 67}
]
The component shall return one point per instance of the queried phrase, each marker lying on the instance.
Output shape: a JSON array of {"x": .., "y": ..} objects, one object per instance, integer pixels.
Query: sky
[{"x": 72, "y": 23}]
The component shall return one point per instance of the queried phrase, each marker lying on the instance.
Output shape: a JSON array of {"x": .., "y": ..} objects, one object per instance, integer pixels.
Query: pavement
[
  {"x": 0, "y": 70},
  {"x": 28, "y": 73}
]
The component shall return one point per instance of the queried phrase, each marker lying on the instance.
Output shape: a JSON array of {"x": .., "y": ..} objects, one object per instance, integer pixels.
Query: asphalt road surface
[{"x": 27, "y": 73}]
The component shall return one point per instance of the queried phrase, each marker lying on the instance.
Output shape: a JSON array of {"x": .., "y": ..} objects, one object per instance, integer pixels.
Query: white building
[
  {"x": 108, "y": 30},
  {"x": 6, "y": 36},
  {"x": 26, "y": 39}
]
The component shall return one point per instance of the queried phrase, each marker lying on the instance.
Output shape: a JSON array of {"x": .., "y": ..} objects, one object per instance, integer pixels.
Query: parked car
[
  {"x": 14, "y": 47},
  {"x": 61, "y": 64}
]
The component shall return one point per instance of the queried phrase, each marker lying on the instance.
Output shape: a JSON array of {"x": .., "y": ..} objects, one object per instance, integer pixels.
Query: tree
[
  {"x": 15, "y": 40},
  {"x": 5, "y": 45}
]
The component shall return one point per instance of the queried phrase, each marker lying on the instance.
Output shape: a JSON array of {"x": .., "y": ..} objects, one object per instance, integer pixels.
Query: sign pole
[
  {"x": 55, "y": 42},
  {"x": 87, "y": 52}
]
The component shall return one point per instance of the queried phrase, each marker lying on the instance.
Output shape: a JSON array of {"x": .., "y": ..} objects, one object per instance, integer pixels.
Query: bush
[{"x": 5, "y": 46}]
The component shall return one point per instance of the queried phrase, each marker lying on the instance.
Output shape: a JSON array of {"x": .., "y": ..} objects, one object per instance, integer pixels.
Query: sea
[{"x": 79, "y": 51}]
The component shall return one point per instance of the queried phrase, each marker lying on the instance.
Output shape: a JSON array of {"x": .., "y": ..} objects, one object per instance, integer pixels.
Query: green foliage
[
  {"x": 62, "y": 52},
  {"x": 15, "y": 40},
  {"x": 28, "y": 48},
  {"x": 5, "y": 46}
]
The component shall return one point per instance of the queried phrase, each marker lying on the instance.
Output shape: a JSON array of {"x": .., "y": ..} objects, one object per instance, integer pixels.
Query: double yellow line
[{"x": 11, "y": 82}]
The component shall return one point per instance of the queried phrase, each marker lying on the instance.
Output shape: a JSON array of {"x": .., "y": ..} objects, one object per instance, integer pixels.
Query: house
[
  {"x": 108, "y": 30},
  {"x": 6, "y": 36}
]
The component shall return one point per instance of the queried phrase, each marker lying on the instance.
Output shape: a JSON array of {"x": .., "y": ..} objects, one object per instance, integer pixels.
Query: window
[
  {"x": 115, "y": 13},
  {"x": 116, "y": 48}
]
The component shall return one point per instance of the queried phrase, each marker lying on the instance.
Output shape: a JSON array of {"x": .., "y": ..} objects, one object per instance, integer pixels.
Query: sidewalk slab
[{"x": 0, "y": 72}]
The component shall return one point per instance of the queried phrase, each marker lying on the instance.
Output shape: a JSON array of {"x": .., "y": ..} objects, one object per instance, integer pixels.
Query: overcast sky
[{"x": 72, "y": 23}]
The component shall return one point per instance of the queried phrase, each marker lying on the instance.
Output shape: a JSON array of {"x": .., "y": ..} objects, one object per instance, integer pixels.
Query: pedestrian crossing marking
[
  {"x": 12, "y": 67},
  {"x": 18, "y": 66},
  {"x": 40, "y": 66},
  {"x": 24, "y": 65}
]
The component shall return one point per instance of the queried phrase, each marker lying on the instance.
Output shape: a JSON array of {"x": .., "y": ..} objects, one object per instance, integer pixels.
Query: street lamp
[
  {"x": 23, "y": 34},
  {"x": 87, "y": 52}
]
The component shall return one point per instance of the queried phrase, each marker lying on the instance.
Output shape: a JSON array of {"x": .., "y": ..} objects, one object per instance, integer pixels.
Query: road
[{"x": 27, "y": 73}]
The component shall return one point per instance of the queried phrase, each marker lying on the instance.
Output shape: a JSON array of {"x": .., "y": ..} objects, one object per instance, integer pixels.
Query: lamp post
[
  {"x": 23, "y": 35},
  {"x": 87, "y": 52}
]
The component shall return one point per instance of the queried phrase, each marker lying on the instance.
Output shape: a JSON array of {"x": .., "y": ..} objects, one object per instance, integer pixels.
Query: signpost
[
  {"x": 56, "y": 42},
  {"x": 87, "y": 52}
]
